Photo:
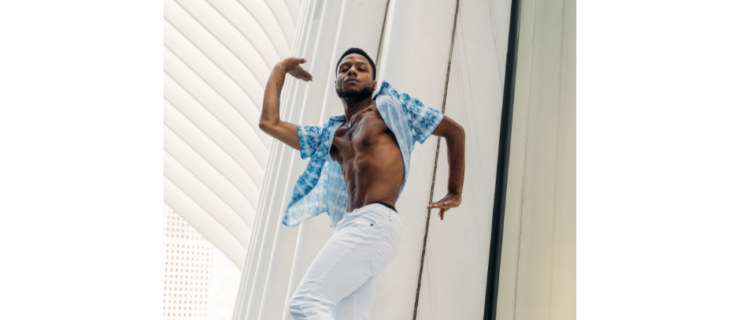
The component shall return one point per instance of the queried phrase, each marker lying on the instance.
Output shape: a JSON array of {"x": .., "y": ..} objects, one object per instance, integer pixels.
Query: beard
[{"x": 355, "y": 95}]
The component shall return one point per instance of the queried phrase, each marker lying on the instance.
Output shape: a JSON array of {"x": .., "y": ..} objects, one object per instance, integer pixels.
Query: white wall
[
  {"x": 538, "y": 273},
  {"x": 456, "y": 263}
]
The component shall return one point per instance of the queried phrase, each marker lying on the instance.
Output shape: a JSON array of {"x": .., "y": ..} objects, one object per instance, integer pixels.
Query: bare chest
[{"x": 366, "y": 131}]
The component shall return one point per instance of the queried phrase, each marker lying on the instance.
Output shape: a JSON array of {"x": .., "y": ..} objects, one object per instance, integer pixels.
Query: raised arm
[
  {"x": 455, "y": 138},
  {"x": 270, "y": 121}
]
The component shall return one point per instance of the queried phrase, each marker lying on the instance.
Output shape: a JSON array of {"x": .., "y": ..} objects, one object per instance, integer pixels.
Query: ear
[{"x": 375, "y": 85}]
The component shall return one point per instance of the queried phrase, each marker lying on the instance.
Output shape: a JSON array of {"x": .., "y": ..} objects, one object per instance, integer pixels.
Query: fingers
[
  {"x": 293, "y": 60},
  {"x": 308, "y": 76},
  {"x": 448, "y": 204},
  {"x": 303, "y": 74},
  {"x": 441, "y": 214},
  {"x": 294, "y": 69},
  {"x": 435, "y": 205}
]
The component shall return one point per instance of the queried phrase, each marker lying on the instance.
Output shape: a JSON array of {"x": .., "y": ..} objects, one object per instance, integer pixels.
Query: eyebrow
[{"x": 348, "y": 62}]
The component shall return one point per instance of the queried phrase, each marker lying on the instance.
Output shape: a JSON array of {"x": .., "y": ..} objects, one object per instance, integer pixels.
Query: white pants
[{"x": 340, "y": 283}]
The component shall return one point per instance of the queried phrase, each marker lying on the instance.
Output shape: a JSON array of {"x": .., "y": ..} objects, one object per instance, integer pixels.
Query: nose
[{"x": 352, "y": 70}]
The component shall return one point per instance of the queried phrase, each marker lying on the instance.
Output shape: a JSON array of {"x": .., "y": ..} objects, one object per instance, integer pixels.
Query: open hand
[
  {"x": 448, "y": 202},
  {"x": 292, "y": 66}
]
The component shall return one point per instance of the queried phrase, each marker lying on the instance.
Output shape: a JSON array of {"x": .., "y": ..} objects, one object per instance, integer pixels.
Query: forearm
[
  {"x": 455, "y": 140},
  {"x": 454, "y": 135},
  {"x": 271, "y": 102},
  {"x": 270, "y": 121}
]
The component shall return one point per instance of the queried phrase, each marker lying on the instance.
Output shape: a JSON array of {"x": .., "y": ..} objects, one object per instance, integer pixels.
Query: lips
[{"x": 351, "y": 80}]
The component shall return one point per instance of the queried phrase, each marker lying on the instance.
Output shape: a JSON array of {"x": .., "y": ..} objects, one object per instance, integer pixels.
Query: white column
[
  {"x": 273, "y": 244},
  {"x": 319, "y": 63},
  {"x": 415, "y": 54},
  {"x": 538, "y": 257},
  {"x": 456, "y": 262}
]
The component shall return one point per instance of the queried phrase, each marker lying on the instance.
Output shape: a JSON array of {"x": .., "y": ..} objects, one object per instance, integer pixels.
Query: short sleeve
[
  {"x": 422, "y": 119},
  {"x": 308, "y": 137}
]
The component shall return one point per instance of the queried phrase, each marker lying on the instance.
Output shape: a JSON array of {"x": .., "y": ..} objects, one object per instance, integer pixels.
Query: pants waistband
[{"x": 386, "y": 205}]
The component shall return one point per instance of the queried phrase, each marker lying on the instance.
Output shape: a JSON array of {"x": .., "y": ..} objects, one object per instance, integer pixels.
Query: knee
[
  {"x": 295, "y": 308},
  {"x": 305, "y": 306}
]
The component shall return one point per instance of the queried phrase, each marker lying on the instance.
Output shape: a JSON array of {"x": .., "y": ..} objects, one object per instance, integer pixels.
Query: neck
[{"x": 352, "y": 106}]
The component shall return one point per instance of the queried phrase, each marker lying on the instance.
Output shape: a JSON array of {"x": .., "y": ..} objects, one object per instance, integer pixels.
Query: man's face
[{"x": 354, "y": 78}]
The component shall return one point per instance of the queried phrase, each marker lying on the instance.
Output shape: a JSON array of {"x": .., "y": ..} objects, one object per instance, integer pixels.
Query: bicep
[{"x": 446, "y": 127}]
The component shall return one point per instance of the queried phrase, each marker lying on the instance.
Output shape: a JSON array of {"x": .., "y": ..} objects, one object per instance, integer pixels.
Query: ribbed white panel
[
  {"x": 206, "y": 198},
  {"x": 216, "y": 157},
  {"x": 276, "y": 290},
  {"x": 218, "y": 122},
  {"x": 250, "y": 28},
  {"x": 456, "y": 262},
  {"x": 229, "y": 36},
  {"x": 301, "y": 103},
  {"x": 218, "y": 55},
  {"x": 265, "y": 17},
  {"x": 216, "y": 170},
  {"x": 223, "y": 57},
  {"x": 211, "y": 127},
  {"x": 282, "y": 14},
  {"x": 203, "y": 222},
  {"x": 273, "y": 190},
  {"x": 294, "y": 6}
]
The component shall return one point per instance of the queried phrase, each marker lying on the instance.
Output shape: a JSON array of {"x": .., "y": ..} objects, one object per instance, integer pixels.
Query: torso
[{"x": 370, "y": 158}]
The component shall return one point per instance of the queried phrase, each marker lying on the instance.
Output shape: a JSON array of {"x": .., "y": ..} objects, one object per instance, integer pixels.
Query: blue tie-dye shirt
[{"x": 321, "y": 187}]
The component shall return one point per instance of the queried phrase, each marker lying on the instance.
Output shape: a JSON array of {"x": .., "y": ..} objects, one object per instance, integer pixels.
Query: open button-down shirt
[{"x": 321, "y": 187}]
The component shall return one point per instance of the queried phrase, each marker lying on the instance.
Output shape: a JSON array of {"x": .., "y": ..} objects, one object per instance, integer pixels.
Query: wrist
[{"x": 280, "y": 66}]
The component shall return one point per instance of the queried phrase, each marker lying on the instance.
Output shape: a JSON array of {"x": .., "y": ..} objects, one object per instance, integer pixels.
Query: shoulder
[
  {"x": 387, "y": 90},
  {"x": 334, "y": 119}
]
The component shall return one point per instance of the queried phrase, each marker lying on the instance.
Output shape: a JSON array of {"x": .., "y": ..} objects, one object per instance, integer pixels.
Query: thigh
[
  {"x": 355, "y": 253},
  {"x": 357, "y": 305}
]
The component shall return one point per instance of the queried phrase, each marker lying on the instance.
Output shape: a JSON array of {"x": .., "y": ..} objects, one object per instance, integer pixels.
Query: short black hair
[{"x": 357, "y": 51}]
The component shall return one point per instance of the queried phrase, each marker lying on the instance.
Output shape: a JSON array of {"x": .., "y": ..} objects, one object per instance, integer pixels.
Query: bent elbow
[
  {"x": 265, "y": 126},
  {"x": 458, "y": 131}
]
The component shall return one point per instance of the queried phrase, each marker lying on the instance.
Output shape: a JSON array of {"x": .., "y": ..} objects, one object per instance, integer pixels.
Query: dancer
[{"x": 359, "y": 165}]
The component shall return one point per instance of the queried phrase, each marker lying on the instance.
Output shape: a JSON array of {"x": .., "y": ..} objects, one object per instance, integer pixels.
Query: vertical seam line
[
  {"x": 436, "y": 158},
  {"x": 382, "y": 36},
  {"x": 524, "y": 171}
]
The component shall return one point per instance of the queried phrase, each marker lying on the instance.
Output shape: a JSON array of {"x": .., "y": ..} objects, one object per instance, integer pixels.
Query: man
[{"x": 359, "y": 165}]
